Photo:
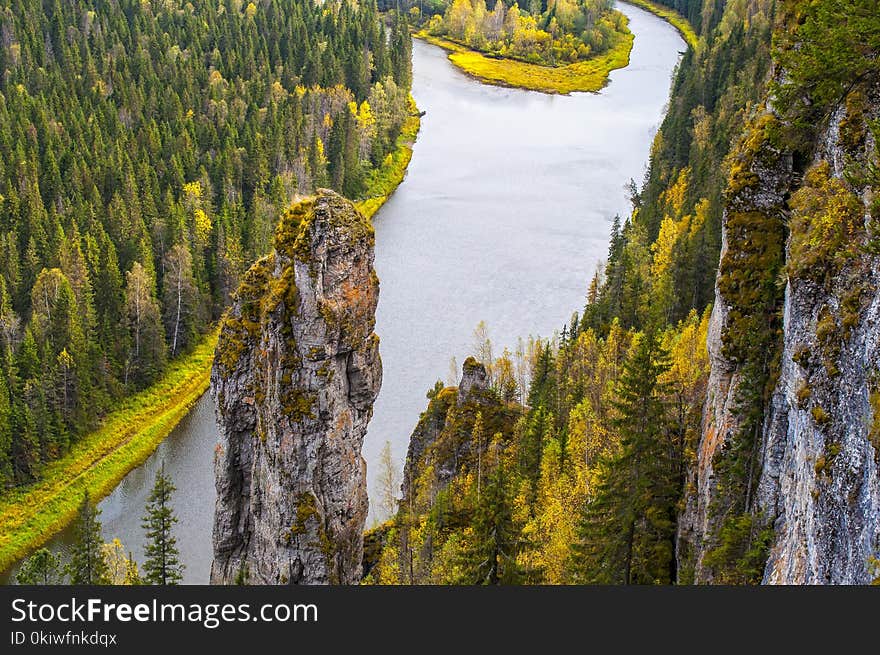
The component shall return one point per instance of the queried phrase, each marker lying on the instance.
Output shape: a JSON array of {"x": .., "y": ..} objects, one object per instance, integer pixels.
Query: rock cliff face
[
  {"x": 795, "y": 431},
  {"x": 295, "y": 375},
  {"x": 821, "y": 442}
]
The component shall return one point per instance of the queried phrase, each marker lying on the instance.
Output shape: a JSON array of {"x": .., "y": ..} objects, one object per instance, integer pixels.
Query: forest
[
  {"x": 609, "y": 419},
  {"x": 146, "y": 150},
  {"x": 145, "y": 162},
  {"x": 553, "y": 33},
  {"x": 575, "y": 470}
]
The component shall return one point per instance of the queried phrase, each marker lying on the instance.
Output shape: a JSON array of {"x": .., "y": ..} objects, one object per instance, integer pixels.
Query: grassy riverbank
[
  {"x": 590, "y": 75},
  {"x": 386, "y": 179},
  {"x": 30, "y": 515},
  {"x": 672, "y": 17}
]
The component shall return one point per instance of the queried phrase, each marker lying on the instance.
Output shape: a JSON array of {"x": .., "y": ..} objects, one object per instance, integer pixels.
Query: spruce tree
[
  {"x": 628, "y": 527},
  {"x": 162, "y": 565},
  {"x": 531, "y": 447},
  {"x": 132, "y": 575},
  {"x": 491, "y": 557},
  {"x": 6, "y": 416},
  {"x": 87, "y": 565},
  {"x": 543, "y": 378}
]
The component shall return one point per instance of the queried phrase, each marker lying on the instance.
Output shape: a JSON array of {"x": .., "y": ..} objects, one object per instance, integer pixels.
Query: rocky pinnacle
[{"x": 295, "y": 375}]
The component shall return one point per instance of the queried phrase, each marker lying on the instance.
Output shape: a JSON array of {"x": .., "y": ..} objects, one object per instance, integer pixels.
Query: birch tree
[
  {"x": 388, "y": 483},
  {"x": 147, "y": 351},
  {"x": 181, "y": 298}
]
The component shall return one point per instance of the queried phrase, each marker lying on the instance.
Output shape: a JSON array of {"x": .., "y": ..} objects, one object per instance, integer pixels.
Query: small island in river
[
  {"x": 555, "y": 47},
  {"x": 558, "y": 46}
]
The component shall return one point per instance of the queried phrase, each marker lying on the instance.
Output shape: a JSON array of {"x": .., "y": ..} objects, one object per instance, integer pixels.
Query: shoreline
[
  {"x": 31, "y": 515},
  {"x": 384, "y": 181},
  {"x": 672, "y": 17},
  {"x": 583, "y": 76},
  {"x": 587, "y": 76}
]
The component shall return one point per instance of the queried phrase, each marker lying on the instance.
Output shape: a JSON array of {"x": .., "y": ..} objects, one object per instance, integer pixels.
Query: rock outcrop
[
  {"x": 448, "y": 408},
  {"x": 296, "y": 373},
  {"x": 746, "y": 302},
  {"x": 474, "y": 382},
  {"x": 800, "y": 447},
  {"x": 446, "y": 448}
]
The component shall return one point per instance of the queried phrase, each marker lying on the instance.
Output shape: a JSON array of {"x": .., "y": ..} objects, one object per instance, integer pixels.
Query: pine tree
[
  {"x": 87, "y": 565},
  {"x": 162, "y": 565},
  {"x": 41, "y": 568}
]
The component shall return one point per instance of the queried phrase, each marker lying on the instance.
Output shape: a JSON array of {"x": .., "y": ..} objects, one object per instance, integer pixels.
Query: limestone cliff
[
  {"x": 785, "y": 488},
  {"x": 295, "y": 375}
]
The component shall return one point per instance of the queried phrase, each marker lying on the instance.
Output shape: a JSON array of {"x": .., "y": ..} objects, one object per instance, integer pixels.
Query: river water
[
  {"x": 503, "y": 217},
  {"x": 504, "y": 214}
]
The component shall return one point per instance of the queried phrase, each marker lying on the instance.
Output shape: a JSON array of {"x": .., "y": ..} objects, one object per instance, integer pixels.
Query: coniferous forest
[
  {"x": 146, "y": 150},
  {"x": 710, "y": 413}
]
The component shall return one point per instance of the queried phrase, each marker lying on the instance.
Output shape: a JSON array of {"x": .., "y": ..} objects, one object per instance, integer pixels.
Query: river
[
  {"x": 504, "y": 214},
  {"x": 503, "y": 217}
]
